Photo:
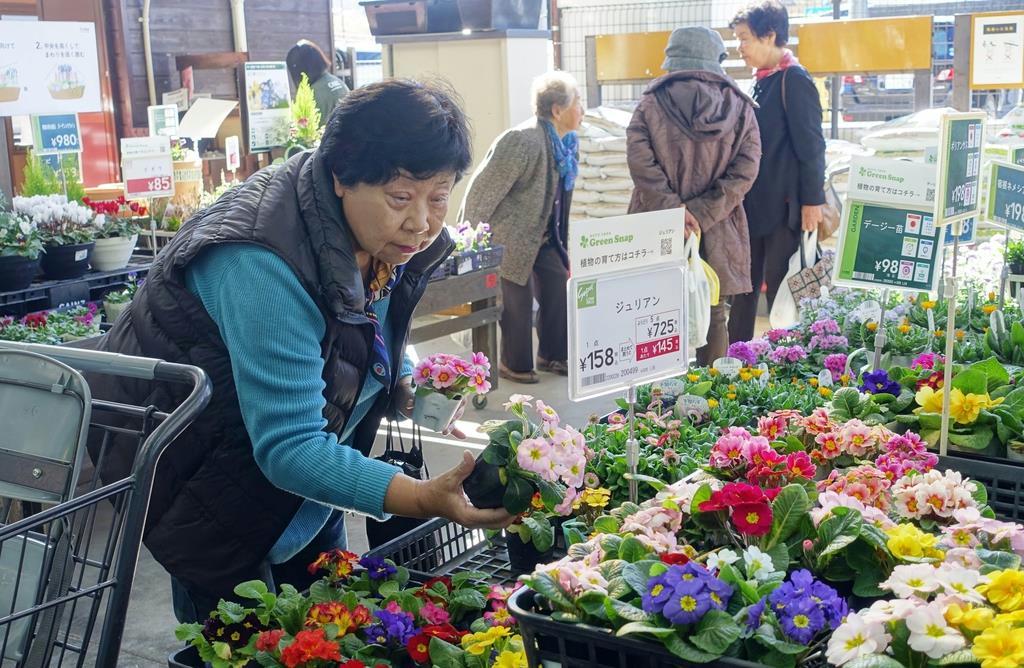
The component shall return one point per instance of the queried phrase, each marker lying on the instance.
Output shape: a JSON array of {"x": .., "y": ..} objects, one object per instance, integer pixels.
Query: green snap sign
[{"x": 888, "y": 247}]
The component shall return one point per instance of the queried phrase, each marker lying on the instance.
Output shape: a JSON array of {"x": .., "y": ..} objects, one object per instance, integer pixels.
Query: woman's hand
[
  {"x": 810, "y": 217},
  {"x": 405, "y": 402},
  {"x": 692, "y": 225},
  {"x": 442, "y": 497}
]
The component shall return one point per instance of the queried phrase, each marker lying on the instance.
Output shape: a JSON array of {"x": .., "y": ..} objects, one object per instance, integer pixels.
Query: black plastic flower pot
[
  {"x": 524, "y": 557},
  {"x": 63, "y": 262},
  {"x": 484, "y": 486},
  {"x": 17, "y": 272}
]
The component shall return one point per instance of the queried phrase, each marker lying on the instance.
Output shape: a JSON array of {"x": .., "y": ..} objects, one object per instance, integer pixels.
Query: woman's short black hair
[
  {"x": 306, "y": 58},
  {"x": 381, "y": 130},
  {"x": 765, "y": 17}
]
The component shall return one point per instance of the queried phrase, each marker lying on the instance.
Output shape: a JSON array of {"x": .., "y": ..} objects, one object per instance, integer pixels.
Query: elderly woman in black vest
[{"x": 295, "y": 292}]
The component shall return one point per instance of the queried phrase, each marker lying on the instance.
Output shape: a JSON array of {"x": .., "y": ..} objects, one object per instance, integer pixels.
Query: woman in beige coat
[
  {"x": 693, "y": 142},
  {"x": 523, "y": 190}
]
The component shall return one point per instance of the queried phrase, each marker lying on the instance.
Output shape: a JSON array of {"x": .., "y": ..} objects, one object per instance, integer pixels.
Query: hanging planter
[
  {"x": 70, "y": 261},
  {"x": 17, "y": 272},
  {"x": 113, "y": 253}
]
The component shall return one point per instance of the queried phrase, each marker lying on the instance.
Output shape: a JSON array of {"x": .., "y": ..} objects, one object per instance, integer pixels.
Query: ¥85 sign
[{"x": 625, "y": 302}]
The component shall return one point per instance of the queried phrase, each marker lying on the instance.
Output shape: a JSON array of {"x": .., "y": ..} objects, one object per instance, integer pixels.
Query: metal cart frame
[{"x": 110, "y": 560}]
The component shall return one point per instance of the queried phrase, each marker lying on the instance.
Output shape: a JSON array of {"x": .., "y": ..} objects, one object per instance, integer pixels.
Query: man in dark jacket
[
  {"x": 693, "y": 142},
  {"x": 294, "y": 292}
]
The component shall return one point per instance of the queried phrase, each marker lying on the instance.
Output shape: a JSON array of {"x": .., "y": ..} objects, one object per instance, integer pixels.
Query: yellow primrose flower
[
  {"x": 907, "y": 541},
  {"x": 745, "y": 374},
  {"x": 1000, "y": 647},
  {"x": 904, "y": 328},
  {"x": 939, "y": 333},
  {"x": 478, "y": 643},
  {"x": 929, "y": 400},
  {"x": 845, "y": 379},
  {"x": 991, "y": 296},
  {"x": 965, "y": 408},
  {"x": 825, "y": 392},
  {"x": 987, "y": 309},
  {"x": 595, "y": 498},
  {"x": 813, "y": 382},
  {"x": 966, "y": 616},
  {"x": 732, "y": 387},
  {"x": 712, "y": 403},
  {"x": 871, "y": 326},
  {"x": 1005, "y": 589},
  {"x": 730, "y": 395},
  {"x": 713, "y": 372},
  {"x": 959, "y": 335},
  {"x": 927, "y": 305},
  {"x": 509, "y": 659},
  {"x": 1011, "y": 618},
  {"x": 693, "y": 377},
  {"x": 756, "y": 373}
]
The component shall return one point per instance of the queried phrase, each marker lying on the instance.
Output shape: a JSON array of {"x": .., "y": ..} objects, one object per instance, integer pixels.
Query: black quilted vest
[{"x": 214, "y": 516}]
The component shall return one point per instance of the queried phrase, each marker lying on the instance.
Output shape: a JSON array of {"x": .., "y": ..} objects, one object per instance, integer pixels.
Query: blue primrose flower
[
  {"x": 802, "y": 620},
  {"x": 683, "y": 594},
  {"x": 804, "y": 607},
  {"x": 755, "y": 613},
  {"x": 377, "y": 568},
  {"x": 659, "y": 589},
  {"x": 376, "y": 634},
  {"x": 398, "y": 625},
  {"x": 684, "y": 608},
  {"x": 878, "y": 382}
]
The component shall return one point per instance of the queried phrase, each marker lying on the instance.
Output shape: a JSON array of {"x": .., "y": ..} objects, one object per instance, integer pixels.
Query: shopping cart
[{"x": 67, "y": 566}]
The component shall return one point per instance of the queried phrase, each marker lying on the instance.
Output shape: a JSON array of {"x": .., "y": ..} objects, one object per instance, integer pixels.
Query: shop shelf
[{"x": 55, "y": 294}]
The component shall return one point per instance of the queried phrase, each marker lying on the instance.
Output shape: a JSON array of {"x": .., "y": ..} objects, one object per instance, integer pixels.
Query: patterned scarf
[
  {"x": 788, "y": 60},
  {"x": 385, "y": 277},
  {"x": 566, "y": 152}
]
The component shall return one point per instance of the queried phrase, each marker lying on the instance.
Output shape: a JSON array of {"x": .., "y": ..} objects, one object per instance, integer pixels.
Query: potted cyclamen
[
  {"x": 66, "y": 230},
  {"x": 534, "y": 471},
  {"x": 116, "y": 232},
  {"x": 443, "y": 384},
  {"x": 20, "y": 247}
]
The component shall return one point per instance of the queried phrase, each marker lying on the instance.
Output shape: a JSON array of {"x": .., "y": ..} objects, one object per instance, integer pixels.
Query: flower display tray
[
  {"x": 548, "y": 642},
  {"x": 55, "y": 294},
  {"x": 469, "y": 261},
  {"x": 1004, "y": 481}
]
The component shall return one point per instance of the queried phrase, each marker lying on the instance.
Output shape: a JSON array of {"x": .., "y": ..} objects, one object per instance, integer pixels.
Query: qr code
[
  {"x": 666, "y": 246},
  {"x": 929, "y": 195}
]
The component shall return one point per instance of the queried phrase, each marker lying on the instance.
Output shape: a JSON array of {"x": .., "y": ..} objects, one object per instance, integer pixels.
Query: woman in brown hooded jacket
[{"x": 694, "y": 142}]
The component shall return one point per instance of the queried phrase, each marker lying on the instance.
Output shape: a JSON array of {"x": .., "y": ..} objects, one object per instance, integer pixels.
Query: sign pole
[
  {"x": 1005, "y": 275},
  {"x": 947, "y": 364},
  {"x": 632, "y": 445},
  {"x": 880, "y": 338}
]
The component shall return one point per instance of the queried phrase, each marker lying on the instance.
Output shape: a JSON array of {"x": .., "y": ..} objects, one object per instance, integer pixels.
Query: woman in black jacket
[{"x": 789, "y": 191}]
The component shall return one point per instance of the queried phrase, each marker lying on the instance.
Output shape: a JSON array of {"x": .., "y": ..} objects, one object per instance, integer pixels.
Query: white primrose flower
[
  {"x": 930, "y": 634},
  {"x": 856, "y": 637},
  {"x": 759, "y": 564},
  {"x": 718, "y": 559},
  {"x": 910, "y": 580}
]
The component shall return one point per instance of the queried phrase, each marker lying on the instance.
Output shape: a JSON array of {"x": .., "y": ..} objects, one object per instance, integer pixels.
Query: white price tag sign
[
  {"x": 692, "y": 407},
  {"x": 624, "y": 329},
  {"x": 728, "y": 366},
  {"x": 625, "y": 243},
  {"x": 892, "y": 181},
  {"x": 232, "y": 153},
  {"x": 146, "y": 167}
]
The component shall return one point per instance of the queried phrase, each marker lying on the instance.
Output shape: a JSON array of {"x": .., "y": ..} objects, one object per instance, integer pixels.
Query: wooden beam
[{"x": 211, "y": 61}]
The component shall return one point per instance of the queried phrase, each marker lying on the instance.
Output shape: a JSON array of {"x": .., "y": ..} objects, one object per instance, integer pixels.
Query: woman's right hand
[{"x": 442, "y": 497}]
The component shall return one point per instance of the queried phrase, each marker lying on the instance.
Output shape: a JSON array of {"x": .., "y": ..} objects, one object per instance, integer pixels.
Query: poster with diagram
[
  {"x": 997, "y": 50},
  {"x": 48, "y": 67},
  {"x": 267, "y": 100}
]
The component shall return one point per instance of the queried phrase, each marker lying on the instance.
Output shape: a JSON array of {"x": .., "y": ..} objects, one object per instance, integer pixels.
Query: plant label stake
[
  {"x": 880, "y": 338},
  {"x": 1004, "y": 276},
  {"x": 947, "y": 364},
  {"x": 632, "y": 445}
]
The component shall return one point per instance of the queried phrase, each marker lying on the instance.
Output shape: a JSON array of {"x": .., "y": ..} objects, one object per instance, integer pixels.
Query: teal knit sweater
[{"x": 272, "y": 329}]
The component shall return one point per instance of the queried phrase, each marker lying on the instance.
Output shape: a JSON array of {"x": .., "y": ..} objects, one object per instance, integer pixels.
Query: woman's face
[
  {"x": 757, "y": 52},
  {"x": 394, "y": 221},
  {"x": 568, "y": 119}
]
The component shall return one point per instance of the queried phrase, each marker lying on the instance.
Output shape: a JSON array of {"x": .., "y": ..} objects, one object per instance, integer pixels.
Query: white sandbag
[
  {"x": 615, "y": 197},
  {"x": 616, "y": 172},
  {"x": 581, "y": 196},
  {"x": 590, "y": 172},
  {"x": 606, "y": 158},
  {"x": 606, "y": 210},
  {"x": 608, "y": 185}
]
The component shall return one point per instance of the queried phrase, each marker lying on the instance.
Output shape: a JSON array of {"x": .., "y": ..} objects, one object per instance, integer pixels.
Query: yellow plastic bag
[{"x": 713, "y": 282}]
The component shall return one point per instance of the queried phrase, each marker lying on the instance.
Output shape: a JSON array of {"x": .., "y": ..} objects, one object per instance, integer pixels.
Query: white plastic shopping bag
[
  {"x": 698, "y": 294},
  {"x": 785, "y": 310}
]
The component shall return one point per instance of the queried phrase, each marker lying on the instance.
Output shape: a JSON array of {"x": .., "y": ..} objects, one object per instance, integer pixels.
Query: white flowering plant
[
  {"x": 18, "y": 235},
  {"x": 59, "y": 222}
]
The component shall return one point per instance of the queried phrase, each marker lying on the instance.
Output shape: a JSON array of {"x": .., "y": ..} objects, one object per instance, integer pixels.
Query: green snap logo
[{"x": 586, "y": 294}]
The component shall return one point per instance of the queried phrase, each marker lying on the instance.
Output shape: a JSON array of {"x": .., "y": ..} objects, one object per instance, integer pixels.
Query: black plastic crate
[
  {"x": 187, "y": 657},
  {"x": 92, "y": 286},
  {"x": 1003, "y": 480},
  {"x": 490, "y": 257},
  {"x": 443, "y": 271},
  {"x": 582, "y": 646}
]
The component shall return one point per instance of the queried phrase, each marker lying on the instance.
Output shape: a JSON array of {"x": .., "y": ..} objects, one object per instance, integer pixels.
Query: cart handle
[{"x": 93, "y": 360}]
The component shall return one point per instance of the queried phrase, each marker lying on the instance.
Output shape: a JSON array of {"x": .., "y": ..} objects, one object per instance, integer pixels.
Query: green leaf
[
  {"x": 628, "y": 611},
  {"x": 780, "y": 646},
  {"x": 686, "y": 651},
  {"x": 496, "y": 453},
  {"x": 838, "y": 531},
  {"x": 728, "y": 573},
  {"x": 716, "y": 631},
  {"x": 188, "y": 632},
  {"x": 546, "y": 586},
  {"x": 565, "y": 617},
  {"x": 978, "y": 439},
  {"x": 701, "y": 389},
  {"x": 252, "y": 589},
  {"x": 702, "y": 494},
  {"x": 322, "y": 592},
  {"x": 788, "y": 509},
  {"x": 542, "y": 534},
  {"x": 632, "y": 550},
  {"x": 846, "y": 401},
  {"x": 388, "y": 589},
  {"x": 874, "y": 661},
  {"x": 980, "y": 494},
  {"x": 998, "y": 561},
  {"x": 446, "y": 655},
  {"x": 963, "y": 657},
  {"x": 636, "y": 576},
  {"x": 231, "y": 612},
  {"x": 517, "y": 495},
  {"x": 607, "y": 524},
  {"x": 644, "y": 627},
  {"x": 866, "y": 583},
  {"x": 994, "y": 371},
  {"x": 971, "y": 381},
  {"x": 780, "y": 556},
  {"x": 468, "y": 598}
]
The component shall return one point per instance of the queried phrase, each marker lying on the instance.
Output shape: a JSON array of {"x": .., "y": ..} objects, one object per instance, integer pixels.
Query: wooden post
[
  {"x": 961, "y": 98},
  {"x": 593, "y": 86},
  {"x": 922, "y": 89}
]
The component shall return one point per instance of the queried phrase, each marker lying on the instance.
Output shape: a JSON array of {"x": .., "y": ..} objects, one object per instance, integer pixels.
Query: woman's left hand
[
  {"x": 405, "y": 402},
  {"x": 810, "y": 217}
]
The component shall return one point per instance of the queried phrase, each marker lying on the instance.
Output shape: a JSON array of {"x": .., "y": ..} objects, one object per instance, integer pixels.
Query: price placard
[
  {"x": 624, "y": 329},
  {"x": 960, "y": 140},
  {"x": 163, "y": 120},
  {"x": 968, "y": 235},
  {"x": 56, "y": 133},
  {"x": 888, "y": 247},
  {"x": 1006, "y": 196},
  {"x": 892, "y": 181},
  {"x": 146, "y": 167},
  {"x": 1017, "y": 156},
  {"x": 232, "y": 154}
]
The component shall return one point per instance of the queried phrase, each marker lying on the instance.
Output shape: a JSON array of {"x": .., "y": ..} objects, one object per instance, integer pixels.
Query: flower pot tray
[
  {"x": 470, "y": 261},
  {"x": 1003, "y": 479},
  {"x": 548, "y": 642},
  {"x": 54, "y": 294}
]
